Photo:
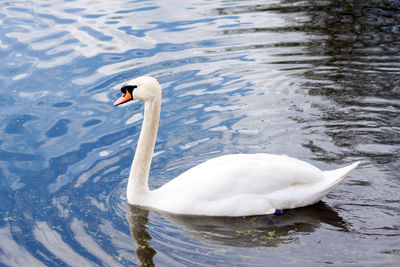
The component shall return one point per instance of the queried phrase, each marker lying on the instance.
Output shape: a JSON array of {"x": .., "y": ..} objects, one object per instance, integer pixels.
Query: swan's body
[{"x": 230, "y": 185}]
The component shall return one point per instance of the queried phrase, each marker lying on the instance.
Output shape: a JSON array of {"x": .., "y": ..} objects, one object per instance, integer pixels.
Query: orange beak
[{"x": 123, "y": 99}]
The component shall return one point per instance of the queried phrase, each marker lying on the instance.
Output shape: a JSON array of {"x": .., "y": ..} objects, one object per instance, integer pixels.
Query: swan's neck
[{"x": 139, "y": 174}]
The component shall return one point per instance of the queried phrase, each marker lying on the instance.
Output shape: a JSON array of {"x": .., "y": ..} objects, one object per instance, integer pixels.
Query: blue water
[{"x": 317, "y": 80}]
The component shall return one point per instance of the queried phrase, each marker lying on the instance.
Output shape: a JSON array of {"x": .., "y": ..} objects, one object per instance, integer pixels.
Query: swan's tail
[
  {"x": 332, "y": 179},
  {"x": 335, "y": 176},
  {"x": 307, "y": 194}
]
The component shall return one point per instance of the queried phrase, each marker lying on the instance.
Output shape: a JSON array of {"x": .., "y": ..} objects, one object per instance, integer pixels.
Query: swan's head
[{"x": 143, "y": 88}]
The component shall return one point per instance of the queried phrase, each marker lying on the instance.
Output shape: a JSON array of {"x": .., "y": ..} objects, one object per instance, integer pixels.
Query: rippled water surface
[{"x": 317, "y": 80}]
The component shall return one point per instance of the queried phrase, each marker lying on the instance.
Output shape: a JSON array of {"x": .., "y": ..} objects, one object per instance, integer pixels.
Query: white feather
[{"x": 230, "y": 185}]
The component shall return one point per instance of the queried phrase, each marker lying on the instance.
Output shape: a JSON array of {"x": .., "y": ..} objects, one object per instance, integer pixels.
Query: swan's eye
[
  {"x": 127, "y": 94},
  {"x": 128, "y": 88}
]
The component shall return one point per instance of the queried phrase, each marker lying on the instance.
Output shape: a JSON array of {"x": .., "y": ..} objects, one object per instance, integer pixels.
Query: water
[{"x": 317, "y": 80}]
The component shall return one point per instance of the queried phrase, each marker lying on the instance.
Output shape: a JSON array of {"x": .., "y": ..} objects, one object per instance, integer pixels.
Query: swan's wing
[
  {"x": 232, "y": 181},
  {"x": 244, "y": 173}
]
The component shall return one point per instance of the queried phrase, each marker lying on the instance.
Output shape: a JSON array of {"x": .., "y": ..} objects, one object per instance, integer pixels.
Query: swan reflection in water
[
  {"x": 252, "y": 231},
  {"x": 138, "y": 218}
]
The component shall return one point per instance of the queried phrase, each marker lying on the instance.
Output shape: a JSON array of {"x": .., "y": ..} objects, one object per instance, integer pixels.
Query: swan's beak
[{"x": 124, "y": 98}]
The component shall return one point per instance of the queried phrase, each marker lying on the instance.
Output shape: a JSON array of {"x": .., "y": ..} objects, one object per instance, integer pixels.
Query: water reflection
[
  {"x": 234, "y": 72},
  {"x": 254, "y": 231},
  {"x": 358, "y": 71},
  {"x": 346, "y": 52},
  {"x": 138, "y": 218}
]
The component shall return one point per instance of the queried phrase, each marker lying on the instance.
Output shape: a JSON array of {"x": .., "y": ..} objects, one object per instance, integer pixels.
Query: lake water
[{"x": 316, "y": 80}]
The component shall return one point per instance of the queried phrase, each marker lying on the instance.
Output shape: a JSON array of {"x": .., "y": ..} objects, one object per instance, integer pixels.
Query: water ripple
[{"x": 315, "y": 80}]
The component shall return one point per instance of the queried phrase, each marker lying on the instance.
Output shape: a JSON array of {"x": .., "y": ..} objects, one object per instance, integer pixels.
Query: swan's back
[{"x": 244, "y": 184}]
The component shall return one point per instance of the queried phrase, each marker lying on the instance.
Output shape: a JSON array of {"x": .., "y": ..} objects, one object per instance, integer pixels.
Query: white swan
[{"x": 230, "y": 185}]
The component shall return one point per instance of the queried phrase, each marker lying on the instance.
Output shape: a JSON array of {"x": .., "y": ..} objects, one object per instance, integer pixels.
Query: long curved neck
[{"x": 139, "y": 174}]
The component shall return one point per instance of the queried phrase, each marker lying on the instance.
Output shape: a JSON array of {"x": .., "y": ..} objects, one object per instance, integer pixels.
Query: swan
[{"x": 230, "y": 185}]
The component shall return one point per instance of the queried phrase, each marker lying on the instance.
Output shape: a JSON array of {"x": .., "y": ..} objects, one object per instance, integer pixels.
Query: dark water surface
[{"x": 317, "y": 80}]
